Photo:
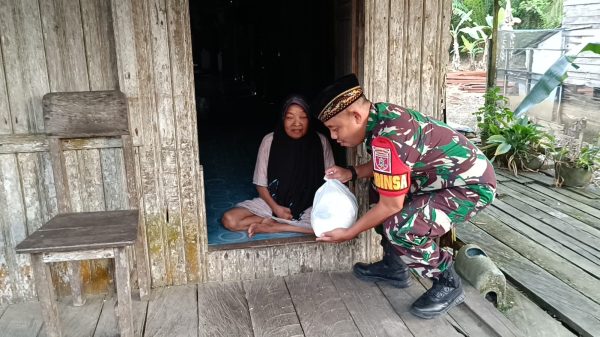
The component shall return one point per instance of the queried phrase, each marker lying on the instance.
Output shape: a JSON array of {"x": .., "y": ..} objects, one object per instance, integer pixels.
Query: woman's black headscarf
[{"x": 296, "y": 166}]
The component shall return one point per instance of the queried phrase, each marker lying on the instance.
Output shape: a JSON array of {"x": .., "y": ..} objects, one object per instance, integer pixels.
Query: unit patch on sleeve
[{"x": 390, "y": 175}]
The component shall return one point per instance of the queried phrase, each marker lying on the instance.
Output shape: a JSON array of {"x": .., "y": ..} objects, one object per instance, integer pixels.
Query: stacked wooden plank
[{"x": 469, "y": 81}]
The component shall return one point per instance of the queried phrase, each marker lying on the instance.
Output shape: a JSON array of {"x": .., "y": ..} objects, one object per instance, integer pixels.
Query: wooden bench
[{"x": 72, "y": 237}]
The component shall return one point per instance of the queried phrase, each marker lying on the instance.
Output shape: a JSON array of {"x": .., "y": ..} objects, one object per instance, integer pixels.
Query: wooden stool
[{"x": 83, "y": 236}]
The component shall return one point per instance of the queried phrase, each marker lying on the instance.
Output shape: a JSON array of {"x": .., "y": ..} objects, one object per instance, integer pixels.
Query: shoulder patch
[
  {"x": 382, "y": 158},
  {"x": 391, "y": 175}
]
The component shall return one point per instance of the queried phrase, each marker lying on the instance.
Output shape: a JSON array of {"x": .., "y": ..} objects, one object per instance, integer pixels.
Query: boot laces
[{"x": 438, "y": 290}]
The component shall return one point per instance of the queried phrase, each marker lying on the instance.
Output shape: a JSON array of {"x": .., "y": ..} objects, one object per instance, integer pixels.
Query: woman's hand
[
  {"x": 339, "y": 173},
  {"x": 337, "y": 235},
  {"x": 282, "y": 212}
]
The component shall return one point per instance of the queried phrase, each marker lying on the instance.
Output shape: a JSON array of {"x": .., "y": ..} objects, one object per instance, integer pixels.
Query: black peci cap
[{"x": 337, "y": 97}]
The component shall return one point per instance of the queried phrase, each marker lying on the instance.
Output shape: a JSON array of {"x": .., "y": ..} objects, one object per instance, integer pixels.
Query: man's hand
[
  {"x": 337, "y": 235},
  {"x": 339, "y": 173},
  {"x": 282, "y": 212}
]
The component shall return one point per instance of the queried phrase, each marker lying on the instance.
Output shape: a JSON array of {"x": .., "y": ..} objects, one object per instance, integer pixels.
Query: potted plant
[
  {"x": 520, "y": 145},
  {"x": 576, "y": 168},
  {"x": 513, "y": 142}
]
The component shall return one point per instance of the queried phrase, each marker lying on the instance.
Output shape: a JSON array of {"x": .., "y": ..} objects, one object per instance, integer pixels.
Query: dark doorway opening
[{"x": 248, "y": 56}]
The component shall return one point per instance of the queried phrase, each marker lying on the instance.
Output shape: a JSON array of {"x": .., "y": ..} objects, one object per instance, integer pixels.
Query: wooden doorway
[{"x": 247, "y": 58}]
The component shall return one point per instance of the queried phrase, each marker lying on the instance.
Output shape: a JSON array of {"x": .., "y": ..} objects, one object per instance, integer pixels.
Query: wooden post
[
  {"x": 59, "y": 172},
  {"x": 124, "y": 307},
  {"x": 75, "y": 278},
  {"x": 529, "y": 60},
  {"x": 505, "y": 82},
  {"x": 491, "y": 71},
  {"x": 142, "y": 268},
  {"x": 45, "y": 290},
  {"x": 62, "y": 195}
]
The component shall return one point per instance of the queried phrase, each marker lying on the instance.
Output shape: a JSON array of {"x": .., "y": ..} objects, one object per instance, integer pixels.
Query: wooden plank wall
[
  {"x": 406, "y": 53},
  {"x": 582, "y": 21},
  {"x": 49, "y": 46},
  {"x": 283, "y": 260},
  {"x": 61, "y": 45},
  {"x": 154, "y": 62}
]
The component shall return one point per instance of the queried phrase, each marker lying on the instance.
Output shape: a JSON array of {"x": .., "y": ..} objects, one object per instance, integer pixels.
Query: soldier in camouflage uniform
[{"x": 428, "y": 178}]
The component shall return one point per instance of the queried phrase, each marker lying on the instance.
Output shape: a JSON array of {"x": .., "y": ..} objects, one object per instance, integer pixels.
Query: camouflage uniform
[{"x": 450, "y": 181}]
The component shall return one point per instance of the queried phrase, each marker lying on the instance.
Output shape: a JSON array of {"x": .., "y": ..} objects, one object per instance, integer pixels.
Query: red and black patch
[{"x": 390, "y": 174}]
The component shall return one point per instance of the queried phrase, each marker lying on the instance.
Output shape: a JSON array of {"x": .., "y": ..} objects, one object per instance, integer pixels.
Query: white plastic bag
[{"x": 334, "y": 207}]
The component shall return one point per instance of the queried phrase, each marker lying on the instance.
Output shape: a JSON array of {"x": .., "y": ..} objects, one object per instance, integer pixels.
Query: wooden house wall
[
  {"x": 49, "y": 46},
  {"x": 406, "y": 53},
  {"x": 155, "y": 71},
  {"x": 143, "y": 48},
  {"x": 63, "y": 45},
  {"x": 582, "y": 23},
  {"x": 580, "y": 100}
]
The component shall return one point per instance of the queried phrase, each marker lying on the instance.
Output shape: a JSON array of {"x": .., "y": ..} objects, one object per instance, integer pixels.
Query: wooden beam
[
  {"x": 79, "y": 255},
  {"x": 493, "y": 46},
  {"x": 124, "y": 307},
  {"x": 31, "y": 143},
  {"x": 45, "y": 290}
]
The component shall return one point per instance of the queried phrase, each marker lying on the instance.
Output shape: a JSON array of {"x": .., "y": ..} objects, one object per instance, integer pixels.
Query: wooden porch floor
[
  {"x": 313, "y": 304},
  {"x": 546, "y": 240}
]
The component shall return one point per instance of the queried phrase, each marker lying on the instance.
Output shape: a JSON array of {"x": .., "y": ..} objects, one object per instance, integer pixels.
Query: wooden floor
[
  {"x": 546, "y": 240},
  {"x": 314, "y": 304}
]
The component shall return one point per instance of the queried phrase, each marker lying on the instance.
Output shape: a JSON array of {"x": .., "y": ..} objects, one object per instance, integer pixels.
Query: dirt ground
[{"x": 460, "y": 106}]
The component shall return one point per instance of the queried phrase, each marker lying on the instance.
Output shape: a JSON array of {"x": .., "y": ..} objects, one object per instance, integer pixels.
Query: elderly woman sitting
[{"x": 289, "y": 170}]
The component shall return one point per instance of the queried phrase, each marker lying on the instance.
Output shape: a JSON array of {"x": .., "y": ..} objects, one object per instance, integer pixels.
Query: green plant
[
  {"x": 540, "y": 13},
  {"x": 480, "y": 35},
  {"x": 462, "y": 17},
  {"x": 518, "y": 143},
  {"x": 480, "y": 9},
  {"x": 494, "y": 114},
  {"x": 473, "y": 49},
  {"x": 587, "y": 158},
  {"x": 552, "y": 78},
  {"x": 575, "y": 166}
]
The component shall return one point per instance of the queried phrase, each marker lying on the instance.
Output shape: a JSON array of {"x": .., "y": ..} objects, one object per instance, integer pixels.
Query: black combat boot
[
  {"x": 391, "y": 269},
  {"x": 446, "y": 293}
]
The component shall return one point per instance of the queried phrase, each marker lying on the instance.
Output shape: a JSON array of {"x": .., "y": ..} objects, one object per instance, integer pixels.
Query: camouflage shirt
[{"x": 438, "y": 157}]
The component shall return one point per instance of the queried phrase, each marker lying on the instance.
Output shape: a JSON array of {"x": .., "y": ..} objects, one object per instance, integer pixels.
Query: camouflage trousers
[{"x": 427, "y": 216}]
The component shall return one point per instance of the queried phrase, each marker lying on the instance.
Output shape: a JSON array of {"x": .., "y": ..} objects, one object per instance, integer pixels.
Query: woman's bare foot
[{"x": 265, "y": 226}]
